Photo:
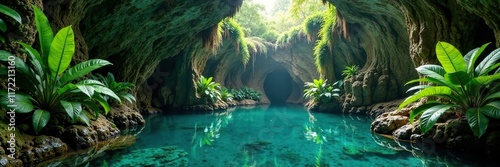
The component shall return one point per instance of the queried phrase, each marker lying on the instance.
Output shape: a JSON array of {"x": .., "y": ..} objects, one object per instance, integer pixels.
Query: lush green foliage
[
  {"x": 12, "y": 14},
  {"x": 245, "y": 93},
  {"x": 237, "y": 36},
  {"x": 226, "y": 95},
  {"x": 251, "y": 18},
  {"x": 323, "y": 47},
  {"x": 321, "y": 92},
  {"x": 350, "y": 71},
  {"x": 461, "y": 86},
  {"x": 208, "y": 89},
  {"x": 46, "y": 84},
  {"x": 121, "y": 89}
]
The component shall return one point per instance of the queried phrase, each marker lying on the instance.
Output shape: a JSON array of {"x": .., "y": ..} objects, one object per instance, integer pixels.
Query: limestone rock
[
  {"x": 387, "y": 125},
  {"x": 403, "y": 133},
  {"x": 123, "y": 116},
  {"x": 80, "y": 137},
  {"x": 42, "y": 148},
  {"x": 105, "y": 129}
]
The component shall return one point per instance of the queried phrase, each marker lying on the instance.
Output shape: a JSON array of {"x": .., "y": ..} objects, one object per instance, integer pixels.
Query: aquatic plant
[
  {"x": 350, "y": 71},
  {"x": 208, "y": 89},
  {"x": 320, "y": 91},
  {"x": 119, "y": 88},
  {"x": 12, "y": 14},
  {"x": 46, "y": 82},
  {"x": 461, "y": 86}
]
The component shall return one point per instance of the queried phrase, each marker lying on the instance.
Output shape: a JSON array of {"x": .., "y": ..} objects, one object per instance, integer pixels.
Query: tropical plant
[
  {"x": 226, "y": 95},
  {"x": 350, "y": 71},
  {"x": 119, "y": 88},
  {"x": 208, "y": 89},
  {"x": 245, "y": 93},
  {"x": 461, "y": 86},
  {"x": 320, "y": 91},
  {"x": 12, "y": 14},
  {"x": 46, "y": 83}
]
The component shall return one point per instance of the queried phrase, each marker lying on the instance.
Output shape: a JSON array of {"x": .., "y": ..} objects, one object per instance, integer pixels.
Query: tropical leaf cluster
[
  {"x": 245, "y": 93},
  {"x": 463, "y": 85},
  {"x": 208, "y": 89},
  {"x": 48, "y": 85},
  {"x": 350, "y": 71},
  {"x": 121, "y": 89},
  {"x": 321, "y": 92}
]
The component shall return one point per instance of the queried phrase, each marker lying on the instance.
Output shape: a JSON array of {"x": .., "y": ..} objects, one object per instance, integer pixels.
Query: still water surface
[{"x": 285, "y": 136}]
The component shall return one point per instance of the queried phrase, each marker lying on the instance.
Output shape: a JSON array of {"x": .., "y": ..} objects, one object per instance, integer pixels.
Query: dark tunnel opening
[{"x": 278, "y": 86}]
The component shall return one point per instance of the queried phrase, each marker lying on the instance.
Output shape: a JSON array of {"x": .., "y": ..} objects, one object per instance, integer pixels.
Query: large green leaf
[
  {"x": 3, "y": 26},
  {"x": 11, "y": 13},
  {"x": 418, "y": 88},
  {"x": 35, "y": 58},
  {"x": 420, "y": 109},
  {"x": 45, "y": 34},
  {"x": 450, "y": 58},
  {"x": 61, "y": 50},
  {"x": 471, "y": 57},
  {"x": 73, "y": 109},
  {"x": 21, "y": 67},
  {"x": 478, "y": 122},
  {"x": 487, "y": 79},
  {"x": 86, "y": 89},
  {"x": 431, "y": 115},
  {"x": 66, "y": 88},
  {"x": 16, "y": 101},
  {"x": 40, "y": 119},
  {"x": 82, "y": 69},
  {"x": 103, "y": 103},
  {"x": 492, "y": 109},
  {"x": 485, "y": 66},
  {"x": 106, "y": 91},
  {"x": 458, "y": 78},
  {"x": 84, "y": 118},
  {"x": 495, "y": 95},
  {"x": 432, "y": 71},
  {"x": 430, "y": 91}
]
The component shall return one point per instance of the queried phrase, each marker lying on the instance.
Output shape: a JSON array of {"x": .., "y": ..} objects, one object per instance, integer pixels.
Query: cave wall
[
  {"x": 375, "y": 30},
  {"x": 297, "y": 61}
]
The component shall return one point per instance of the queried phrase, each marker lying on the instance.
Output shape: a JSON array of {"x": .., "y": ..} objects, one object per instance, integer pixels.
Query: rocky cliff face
[
  {"x": 135, "y": 36},
  {"x": 465, "y": 24},
  {"x": 373, "y": 31}
]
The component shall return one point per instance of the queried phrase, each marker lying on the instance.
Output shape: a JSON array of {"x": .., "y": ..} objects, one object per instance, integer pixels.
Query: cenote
[
  {"x": 273, "y": 136},
  {"x": 244, "y": 83}
]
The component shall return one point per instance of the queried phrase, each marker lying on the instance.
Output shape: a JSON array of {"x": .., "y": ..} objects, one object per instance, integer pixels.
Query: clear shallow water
[{"x": 276, "y": 136}]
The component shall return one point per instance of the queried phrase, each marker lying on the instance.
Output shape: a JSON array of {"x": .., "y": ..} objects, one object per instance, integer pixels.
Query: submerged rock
[{"x": 163, "y": 156}]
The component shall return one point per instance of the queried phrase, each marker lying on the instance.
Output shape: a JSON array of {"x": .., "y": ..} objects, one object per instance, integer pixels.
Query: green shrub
[
  {"x": 461, "y": 85},
  {"x": 350, "y": 71},
  {"x": 119, "y": 88},
  {"x": 208, "y": 89},
  {"x": 321, "y": 92},
  {"x": 245, "y": 93},
  {"x": 46, "y": 84},
  {"x": 226, "y": 95}
]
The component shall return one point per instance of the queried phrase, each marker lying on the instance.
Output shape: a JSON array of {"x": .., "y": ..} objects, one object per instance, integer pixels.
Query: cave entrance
[{"x": 278, "y": 86}]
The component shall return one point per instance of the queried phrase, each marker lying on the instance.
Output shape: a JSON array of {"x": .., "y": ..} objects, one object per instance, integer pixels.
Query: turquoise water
[{"x": 276, "y": 136}]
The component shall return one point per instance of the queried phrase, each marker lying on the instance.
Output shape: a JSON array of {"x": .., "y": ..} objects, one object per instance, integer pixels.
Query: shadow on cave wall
[{"x": 278, "y": 86}]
